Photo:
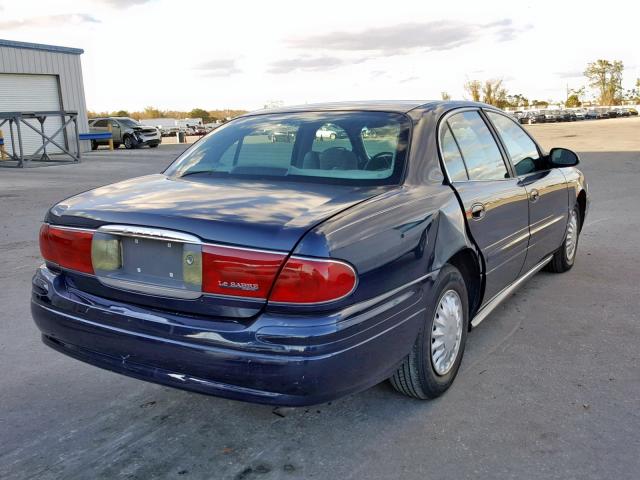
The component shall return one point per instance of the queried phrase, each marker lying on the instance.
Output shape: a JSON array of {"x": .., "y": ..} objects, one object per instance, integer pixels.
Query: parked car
[
  {"x": 550, "y": 116},
  {"x": 292, "y": 276},
  {"x": 169, "y": 131},
  {"x": 125, "y": 131},
  {"x": 632, "y": 111},
  {"x": 622, "y": 112},
  {"x": 532, "y": 117},
  {"x": 591, "y": 115},
  {"x": 282, "y": 134},
  {"x": 580, "y": 114}
]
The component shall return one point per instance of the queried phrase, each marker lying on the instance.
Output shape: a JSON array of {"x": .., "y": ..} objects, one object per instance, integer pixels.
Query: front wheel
[
  {"x": 128, "y": 142},
  {"x": 564, "y": 258},
  {"x": 429, "y": 370},
  {"x": 153, "y": 145}
]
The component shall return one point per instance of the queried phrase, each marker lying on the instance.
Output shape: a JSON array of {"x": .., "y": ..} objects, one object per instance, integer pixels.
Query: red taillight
[
  {"x": 239, "y": 272},
  {"x": 308, "y": 281},
  {"x": 69, "y": 248}
]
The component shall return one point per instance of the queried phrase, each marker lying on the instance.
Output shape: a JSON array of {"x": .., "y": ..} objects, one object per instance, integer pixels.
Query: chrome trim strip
[
  {"x": 149, "y": 232},
  {"x": 149, "y": 289},
  {"x": 505, "y": 292},
  {"x": 545, "y": 225},
  {"x": 71, "y": 229},
  {"x": 246, "y": 249}
]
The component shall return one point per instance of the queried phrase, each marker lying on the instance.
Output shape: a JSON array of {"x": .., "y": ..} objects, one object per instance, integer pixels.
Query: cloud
[
  {"x": 219, "y": 68},
  {"x": 569, "y": 74},
  {"x": 123, "y": 3},
  {"x": 309, "y": 64},
  {"x": 408, "y": 37},
  {"x": 48, "y": 21},
  {"x": 409, "y": 79}
]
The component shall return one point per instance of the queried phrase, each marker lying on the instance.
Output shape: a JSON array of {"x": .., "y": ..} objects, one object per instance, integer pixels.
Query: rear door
[
  {"x": 546, "y": 189},
  {"x": 495, "y": 203}
]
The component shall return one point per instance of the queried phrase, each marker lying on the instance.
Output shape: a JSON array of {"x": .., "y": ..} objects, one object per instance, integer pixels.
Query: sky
[{"x": 180, "y": 55}]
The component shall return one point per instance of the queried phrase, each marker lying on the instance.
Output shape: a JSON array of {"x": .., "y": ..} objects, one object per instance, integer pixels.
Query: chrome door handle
[
  {"x": 534, "y": 195},
  {"x": 477, "y": 211}
]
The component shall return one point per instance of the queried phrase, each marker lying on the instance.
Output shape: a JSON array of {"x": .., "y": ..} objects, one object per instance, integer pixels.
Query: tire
[
  {"x": 128, "y": 142},
  {"x": 116, "y": 145},
  {"x": 418, "y": 375},
  {"x": 154, "y": 145},
  {"x": 94, "y": 145},
  {"x": 564, "y": 258}
]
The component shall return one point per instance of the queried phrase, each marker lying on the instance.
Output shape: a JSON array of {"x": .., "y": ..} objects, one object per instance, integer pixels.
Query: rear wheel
[
  {"x": 153, "y": 145},
  {"x": 565, "y": 256},
  {"x": 433, "y": 363},
  {"x": 94, "y": 145}
]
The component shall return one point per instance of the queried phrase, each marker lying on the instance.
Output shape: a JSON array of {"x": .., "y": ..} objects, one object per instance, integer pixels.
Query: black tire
[
  {"x": 94, "y": 145},
  {"x": 562, "y": 260},
  {"x": 154, "y": 145},
  {"x": 128, "y": 142},
  {"x": 116, "y": 145},
  {"x": 416, "y": 377}
]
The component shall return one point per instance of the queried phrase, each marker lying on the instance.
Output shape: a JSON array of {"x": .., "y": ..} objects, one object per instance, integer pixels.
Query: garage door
[{"x": 28, "y": 93}]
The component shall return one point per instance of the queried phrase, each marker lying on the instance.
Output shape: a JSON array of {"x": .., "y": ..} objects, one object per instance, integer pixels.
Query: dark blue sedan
[{"x": 294, "y": 272}]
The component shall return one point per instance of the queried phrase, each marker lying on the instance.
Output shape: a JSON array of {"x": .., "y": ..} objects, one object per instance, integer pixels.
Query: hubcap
[
  {"x": 446, "y": 333},
  {"x": 572, "y": 235}
]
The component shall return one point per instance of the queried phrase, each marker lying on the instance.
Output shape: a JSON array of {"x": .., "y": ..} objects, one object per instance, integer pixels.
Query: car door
[
  {"x": 495, "y": 203},
  {"x": 116, "y": 131},
  {"x": 546, "y": 189}
]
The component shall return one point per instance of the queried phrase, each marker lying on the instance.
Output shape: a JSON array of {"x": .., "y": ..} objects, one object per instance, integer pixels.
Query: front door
[
  {"x": 495, "y": 203},
  {"x": 546, "y": 189}
]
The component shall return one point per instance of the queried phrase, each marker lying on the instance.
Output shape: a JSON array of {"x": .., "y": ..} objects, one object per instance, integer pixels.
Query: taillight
[
  {"x": 310, "y": 281},
  {"x": 239, "y": 272},
  {"x": 66, "y": 247}
]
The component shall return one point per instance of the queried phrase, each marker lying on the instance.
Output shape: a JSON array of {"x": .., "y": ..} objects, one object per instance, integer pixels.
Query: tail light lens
[
  {"x": 68, "y": 248},
  {"x": 309, "y": 281},
  {"x": 239, "y": 272}
]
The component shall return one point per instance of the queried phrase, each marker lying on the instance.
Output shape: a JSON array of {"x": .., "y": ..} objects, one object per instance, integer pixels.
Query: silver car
[{"x": 125, "y": 131}]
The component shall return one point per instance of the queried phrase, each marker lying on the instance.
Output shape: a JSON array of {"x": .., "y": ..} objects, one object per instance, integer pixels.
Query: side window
[
  {"x": 452, "y": 158},
  {"x": 521, "y": 149},
  {"x": 330, "y": 135},
  {"x": 478, "y": 147},
  {"x": 100, "y": 123}
]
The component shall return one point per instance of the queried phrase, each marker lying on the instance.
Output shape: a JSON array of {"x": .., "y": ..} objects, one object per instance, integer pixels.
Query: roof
[
  {"x": 41, "y": 47},
  {"x": 397, "y": 106}
]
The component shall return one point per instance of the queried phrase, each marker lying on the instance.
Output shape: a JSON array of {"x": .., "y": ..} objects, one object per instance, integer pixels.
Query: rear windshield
[{"x": 367, "y": 148}]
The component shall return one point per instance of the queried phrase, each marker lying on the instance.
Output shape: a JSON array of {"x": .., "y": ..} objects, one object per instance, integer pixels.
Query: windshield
[
  {"x": 367, "y": 148},
  {"x": 128, "y": 122}
]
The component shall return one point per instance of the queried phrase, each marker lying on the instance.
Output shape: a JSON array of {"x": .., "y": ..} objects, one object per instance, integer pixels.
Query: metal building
[{"x": 36, "y": 77}]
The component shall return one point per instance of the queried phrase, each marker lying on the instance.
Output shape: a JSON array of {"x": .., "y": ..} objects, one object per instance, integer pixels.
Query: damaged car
[{"x": 293, "y": 273}]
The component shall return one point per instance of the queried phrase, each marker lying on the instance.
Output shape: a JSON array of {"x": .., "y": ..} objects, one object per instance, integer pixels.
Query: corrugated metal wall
[{"x": 69, "y": 71}]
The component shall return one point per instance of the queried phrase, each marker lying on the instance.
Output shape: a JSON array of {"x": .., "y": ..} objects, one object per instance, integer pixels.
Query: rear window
[{"x": 323, "y": 147}]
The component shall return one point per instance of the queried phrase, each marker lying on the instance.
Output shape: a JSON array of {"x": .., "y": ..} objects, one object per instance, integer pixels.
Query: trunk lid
[{"x": 270, "y": 216}]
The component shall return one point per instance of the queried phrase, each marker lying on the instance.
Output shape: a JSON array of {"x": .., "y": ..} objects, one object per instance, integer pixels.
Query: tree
[
  {"x": 494, "y": 93},
  {"x": 200, "y": 113},
  {"x": 517, "y": 100},
  {"x": 573, "y": 101},
  {"x": 473, "y": 87},
  {"x": 150, "y": 112},
  {"x": 445, "y": 96},
  {"x": 121, "y": 113},
  {"x": 540, "y": 103},
  {"x": 606, "y": 78}
]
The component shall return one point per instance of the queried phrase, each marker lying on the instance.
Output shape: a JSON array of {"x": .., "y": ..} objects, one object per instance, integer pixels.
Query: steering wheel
[{"x": 380, "y": 161}]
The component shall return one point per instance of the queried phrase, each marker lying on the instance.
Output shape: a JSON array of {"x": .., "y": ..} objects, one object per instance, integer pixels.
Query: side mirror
[{"x": 563, "y": 157}]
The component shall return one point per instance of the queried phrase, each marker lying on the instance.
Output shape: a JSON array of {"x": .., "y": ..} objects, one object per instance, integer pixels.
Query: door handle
[
  {"x": 534, "y": 195},
  {"x": 477, "y": 211}
]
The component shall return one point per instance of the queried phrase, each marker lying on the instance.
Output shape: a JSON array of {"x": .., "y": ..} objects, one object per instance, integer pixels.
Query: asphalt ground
[{"x": 549, "y": 386}]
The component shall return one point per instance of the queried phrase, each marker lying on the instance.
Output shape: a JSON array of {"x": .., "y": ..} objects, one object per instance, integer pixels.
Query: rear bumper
[{"x": 279, "y": 360}]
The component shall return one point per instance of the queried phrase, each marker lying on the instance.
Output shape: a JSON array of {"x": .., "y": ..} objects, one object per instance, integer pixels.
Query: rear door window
[
  {"x": 452, "y": 157},
  {"x": 479, "y": 149}
]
